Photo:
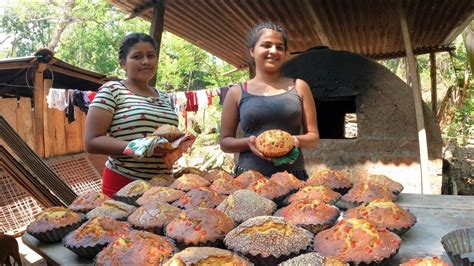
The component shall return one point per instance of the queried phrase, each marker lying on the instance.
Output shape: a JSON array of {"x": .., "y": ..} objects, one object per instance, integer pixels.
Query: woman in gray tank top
[{"x": 268, "y": 101}]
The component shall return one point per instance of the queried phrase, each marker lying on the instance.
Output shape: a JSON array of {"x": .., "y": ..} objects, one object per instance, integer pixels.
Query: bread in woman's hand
[
  {"x": 274, "y": 143},
  {"x": 169, "y": 132}
]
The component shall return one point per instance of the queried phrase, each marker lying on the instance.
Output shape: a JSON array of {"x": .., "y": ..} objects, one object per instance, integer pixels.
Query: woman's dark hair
[
  {"x": 255, "y": 33},
  {"x": 132, "y": 39}
]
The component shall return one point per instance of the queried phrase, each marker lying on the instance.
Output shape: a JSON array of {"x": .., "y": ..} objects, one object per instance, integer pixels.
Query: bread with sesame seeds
[
  {"x": 236, "y": 205},
  {"x": 193, "y": 256},
  {"x": 268, "y": 240}
]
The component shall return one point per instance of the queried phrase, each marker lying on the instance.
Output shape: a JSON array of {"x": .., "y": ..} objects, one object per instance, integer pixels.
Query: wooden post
[
  {"x": 420, "y": 123},
  {"x": 48, "y": 136},
  {"x": 434, "y": 92},
  {"x": 156, "y": 31},
  {"x": 39, "y": 99}
]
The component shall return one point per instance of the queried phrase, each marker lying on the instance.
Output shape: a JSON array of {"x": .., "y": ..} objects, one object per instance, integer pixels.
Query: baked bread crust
[
  {"x": 199, "y": 198},
  {"x": 189, "y": 181},
  {"x": 53, "y": 217},
  {"x": 215, "y": 174},
  {"x": 288, "y": 180},
  {"x": 153, "y": 215},
  {"x": 274, "y": 143},
  {"x": 237, "y": 205},
  {"x": 384, "y": 214},
  {"x": 357, "y": 241},
  {"x": 206, "y": 256},
  {"x": 196, "y": 226},
  {"x": 312, "y": 215},
  {"x": 313, "y": 258},
  {"x": 112, "y": 208},
  {"x": 365, "y": 191},
  {"x": 248, "y": 177},
  {"x": 431, "y": 261},
  {"x": 136, "y": 248},
  {"x": 160, "y": 194},
  {"x": 314, "y": 192},
  {"x": 226, "y": 186},
  {"x": 332, "y": 179},
  {"x": 169, "y": 132},
  {"x": 385, "y": 181},
  {"x": 268, "y": 236},
  {"x": 268, "y": 189},
  {"x": 88, "y": 201},
  {"x": 96, "y": 231}
]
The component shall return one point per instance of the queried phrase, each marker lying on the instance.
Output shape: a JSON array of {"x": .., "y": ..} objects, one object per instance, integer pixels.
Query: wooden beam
[
  {"x": 8, "y": 66},
  {"x": 39, "y": 99},
  {"x": 420, "y": 123},
  {"x": 156, "y": 31},
  {"x": 139, "y": 10},
  {"x": 75, "y": 74},
  {"x": 434, "y": 94}
]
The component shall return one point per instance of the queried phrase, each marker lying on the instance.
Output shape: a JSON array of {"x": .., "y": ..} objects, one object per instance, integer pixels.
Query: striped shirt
[{"x": 134, "y": 117}]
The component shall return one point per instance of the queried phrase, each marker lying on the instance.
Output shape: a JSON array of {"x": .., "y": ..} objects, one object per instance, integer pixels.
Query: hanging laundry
[
  {"x": 202, "y": 99},
  {"x": 56, "y": 99},
  {"x": 70, "y": 114},
  {"x": 181, "y": 101},
  {"x": 91, "y": 95},
  {"x": 222, "y": 93},
  {"x": 191, "y": 103},
  {"x": 81, "y": 100},
  {"x": 209, "y": 94}
]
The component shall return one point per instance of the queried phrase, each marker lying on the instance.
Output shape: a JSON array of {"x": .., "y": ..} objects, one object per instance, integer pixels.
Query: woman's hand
[
  {"x": 171, "y": 157},
  {"x": 253, "y": 148},
  {"x": 297, "y": 142}
]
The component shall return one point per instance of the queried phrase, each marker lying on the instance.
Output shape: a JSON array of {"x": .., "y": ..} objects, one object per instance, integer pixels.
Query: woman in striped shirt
[{"x": 127, "y": 110}]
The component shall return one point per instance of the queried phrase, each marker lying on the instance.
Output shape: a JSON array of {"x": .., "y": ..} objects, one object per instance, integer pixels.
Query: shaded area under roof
[
  {"x": 17, "y": 74},
  {"x": 367, "y": 27}
]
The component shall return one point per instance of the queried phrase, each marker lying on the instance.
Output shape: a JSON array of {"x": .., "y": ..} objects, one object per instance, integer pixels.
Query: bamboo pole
[{"x": 420, "y": 123}]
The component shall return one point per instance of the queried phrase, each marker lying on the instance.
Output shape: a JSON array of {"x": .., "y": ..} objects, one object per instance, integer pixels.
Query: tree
[{"x": 88, "y": 33}]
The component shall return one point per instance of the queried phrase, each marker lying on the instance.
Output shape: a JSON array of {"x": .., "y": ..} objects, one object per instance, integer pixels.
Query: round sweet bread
[
  {"x": 274, "y": 143},
  {"x": 168, "y": 132}
]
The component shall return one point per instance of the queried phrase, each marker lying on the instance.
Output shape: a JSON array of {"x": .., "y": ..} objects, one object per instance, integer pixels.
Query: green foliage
[
  {"x": 27, "y": 24},
  {"x": 92, "y": 38}
]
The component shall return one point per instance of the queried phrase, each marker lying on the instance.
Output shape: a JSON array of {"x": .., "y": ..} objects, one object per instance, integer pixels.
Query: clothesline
[{"x": 66, "y": 99}]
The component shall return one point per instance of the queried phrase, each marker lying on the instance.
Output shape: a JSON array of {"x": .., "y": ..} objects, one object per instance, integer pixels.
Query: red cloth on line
[
  {"x": 113, "y": 182},
  {"x": 209, "y": 97},
  {"x": 91, "y": 95},
  {"x": 192, "y": 102}
]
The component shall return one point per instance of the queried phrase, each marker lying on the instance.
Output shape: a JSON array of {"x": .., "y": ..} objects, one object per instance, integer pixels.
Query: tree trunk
[{"x": 63, "y": 22}]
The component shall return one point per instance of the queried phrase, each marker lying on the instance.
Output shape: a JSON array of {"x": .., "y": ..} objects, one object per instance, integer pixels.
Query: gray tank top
[{"x": 259, "y": 113}]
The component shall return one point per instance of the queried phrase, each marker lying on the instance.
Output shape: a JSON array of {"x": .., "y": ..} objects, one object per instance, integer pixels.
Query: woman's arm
[
  {"x": 310, "y": 125},
  {"x": 96, "y": 141},
  {"x": 229, "y": 122}
]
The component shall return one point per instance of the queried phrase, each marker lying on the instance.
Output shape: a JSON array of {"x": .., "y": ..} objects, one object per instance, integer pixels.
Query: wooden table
[{"x": 436, "y": 215}]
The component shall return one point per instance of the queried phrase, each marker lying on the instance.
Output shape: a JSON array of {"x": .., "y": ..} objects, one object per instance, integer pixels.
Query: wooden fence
[{"x": 59, "y": 136}]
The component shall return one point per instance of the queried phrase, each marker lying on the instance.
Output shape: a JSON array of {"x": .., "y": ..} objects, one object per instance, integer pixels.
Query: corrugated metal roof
[{"x": 368, "y": 27}]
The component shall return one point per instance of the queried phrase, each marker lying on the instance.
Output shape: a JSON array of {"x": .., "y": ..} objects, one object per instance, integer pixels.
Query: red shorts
[{"x": 113, "y": 182}]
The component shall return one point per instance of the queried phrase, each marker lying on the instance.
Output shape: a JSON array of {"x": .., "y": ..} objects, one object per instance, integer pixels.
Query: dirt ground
[{"x": 458, "y": 169}]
